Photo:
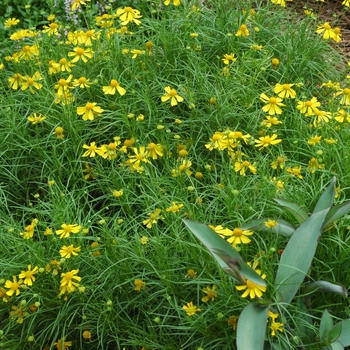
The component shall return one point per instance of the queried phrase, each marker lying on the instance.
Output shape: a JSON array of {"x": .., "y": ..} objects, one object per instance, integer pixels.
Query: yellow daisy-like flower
[
  {"x": 295, "y": 171},
  {"x": 11, "y": 22},
  {"x": 82, "y": 82},
  {"x": 238, "y": 236},
  {"x": 175, "y": 2},
  {"x": 61, "y": 344},
  {"x": 174, "y": 208},
  {"x": 129, "y": 15},
  {"x": 153, "y": 218},
  {"x": 243, "y": 31},
  {"x": 308, "y": 107},
  {"x": 68, "y": 251},
  {"x": 15, "y": 81},
  {"x": 155, "y": 151},
  {"x": 113, "y": 87},
  {"x": 51, "y": 29},
  {"x": 81, "y": 54},
  {"x": 228, "y": 58},
  {"x": 183, "y": 168},
  {"x": 172, "y": 95},
  {"x": 345, "y": 93},
  {"x": 266, "y": 141},
  {"x": 273, "y": 104},
  {"x": 211, "y": 293},
  {"x": 28, "y": 276},
  {"x": 32, "y": 82},
  {"x": 270, "y": 223},
  {"x": 191, "y": 309},
  {"x": 269, "y": 121},
  {"x": 284, "y": 90},
  {"x": 326, "y": 30},
  {"x": 89, "y": 111},
  {"x": 276, "y": 326},
  {"x": 77, "y": 3},
  {"x": 243, "y": 166},
  {"x": 67, "y": 284},
  {"x": 13, "y": 286},
  {"x": 252, "y": 289},
  {"x": 67, "y": 230},
  {"x": 36, "y": 118}
]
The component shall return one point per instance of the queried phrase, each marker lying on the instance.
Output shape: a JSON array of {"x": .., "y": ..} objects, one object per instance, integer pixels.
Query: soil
[{"x": 331, "y": 11}]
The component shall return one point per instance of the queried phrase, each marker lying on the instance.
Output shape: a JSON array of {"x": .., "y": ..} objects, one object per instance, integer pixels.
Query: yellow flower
[
  {"x": 270, "y": 223},
  {"x": 314, "y": 165},
  {"x": 218, "y": 141},
  {"x": 267, "y": 140},
  {"x": 67, "y": 285},
  {"x": 345, "y": 93},
  {"x": 91, "y": 150},
  {"x": 11, "y": 22},
  {"x": 139, "y": 284},
  {"x": 242, "y": 166},
  {"x": 109, "y": 151},
  {"x": 77, "y": 3},
  {"x": 36, "y": 118},
  {"x": 153, "y": 218},
  {"x": 191, "y": 309},
  {"x": 59, "y": 132},
  {"x": 67, "y": 230},
  {"x": 175, "y": 2},
  {"x": 284, "y": 90},
  {"x": 239, "y": 236},
  {"x": 183, "y": 168},
  {"x": 341, "y": 116},
  {"x": 28, "y": 275},
  {"x": 63, "y": 85},
  {"x": 82, "y": 82},
  {"x": 128, "y": 15},
  {"x": 65, "y": 65},
  {"x": 295, "y": 171},
  {"x": 275, "y": 62},
  {"x": 326, "y": 29},
  {"x": 68, "y": 251},
  {"x": 80, "y": 54},
  {"x": 113, "y": 87},
  {"x": 118, "y": 193},
  {"x": 89, "y": 111},
  {"x": 30, "y": 82},
  {"x": 243, "y": 31},
  {"x": 228, "y": 58},
  {"x": 144, "y": 240},
  {"x": 269, "y": 121},
  {"x": 337, "y": 35},
  {"x": 276, "y": 326},
  {"x": 28, "y": 52},
  {"x": 211, "y": 293},
  {"x": 191, "y": 274},
  {"x": 279, "y": 162},
  {"x": 252, "y": 289},
  {"x": 155, "y": 150},
  {"x": 308, "y": 107},
  {"x": 15, "y": 81},
  {"x": 174, "y": 208},
  {"x": 51, "y": 29},
  {"x": 314, "y": 140},
  {"x": 172, "y": 95},
  {"x": 141, "y": 155},
  {"x": 273, "y": 104},
  {"x": 13, "y": 286}
]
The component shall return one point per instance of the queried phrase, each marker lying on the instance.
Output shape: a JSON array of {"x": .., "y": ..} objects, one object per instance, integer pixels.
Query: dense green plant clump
[{"x": 118, "y": 121}]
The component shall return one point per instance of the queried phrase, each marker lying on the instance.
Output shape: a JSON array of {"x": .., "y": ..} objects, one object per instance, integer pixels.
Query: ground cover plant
[{"x": 119, "y": 121}]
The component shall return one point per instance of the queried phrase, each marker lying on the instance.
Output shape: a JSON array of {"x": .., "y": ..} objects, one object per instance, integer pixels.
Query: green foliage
[{"x": 129, "y": 176}]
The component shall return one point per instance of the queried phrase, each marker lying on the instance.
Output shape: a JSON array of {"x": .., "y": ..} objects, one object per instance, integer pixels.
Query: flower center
[
  {"x": 79, "y": 51},
  {"x": 172, "y": 92},
  {"x": 273, "y": 100},
  {"x": 114, "y": 83},
  {"x": 237, "y": 232},
  {"x": 89, "y": 106}
]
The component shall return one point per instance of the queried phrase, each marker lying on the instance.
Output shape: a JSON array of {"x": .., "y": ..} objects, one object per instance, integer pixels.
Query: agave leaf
[
  {"x": 299, "y": 213},
  {"x": 336, "y": 213},
  {"x": 344, "y": 337},
  {"x": 297, "y": 256},
  {"x": 326, "y": 325},
  {"x": 325, "y": 286},
  {"x": 337, "y": 346},
  {"x": 326, "y": 199},
  {"x": 251, "y": 327},
  {"x": 227, "y": 257},
  {"x": 335, "y": 332},
  {"x": 283, "y": 227}
]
